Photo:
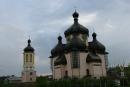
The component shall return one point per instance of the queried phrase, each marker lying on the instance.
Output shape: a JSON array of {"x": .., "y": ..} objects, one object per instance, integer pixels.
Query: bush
[{"x": 41, "y": 82}]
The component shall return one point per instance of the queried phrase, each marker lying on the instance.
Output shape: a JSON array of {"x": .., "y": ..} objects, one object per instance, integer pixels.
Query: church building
[
  {"x": 78, "y": 58},
  {"x": 29, "y": 73}
]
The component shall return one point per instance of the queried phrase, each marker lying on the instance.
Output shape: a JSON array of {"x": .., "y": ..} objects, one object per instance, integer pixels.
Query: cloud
[
  {"x": 87, "y": 19},
  {"x": 43, "y": 20}
]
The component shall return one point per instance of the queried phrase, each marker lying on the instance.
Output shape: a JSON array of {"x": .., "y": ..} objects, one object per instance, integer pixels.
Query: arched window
[
  {"x": 75, "y": 59},
  {"x": 66, "y": 73},
  {"x": 87, "y": 72},
  {"x": 30, "y": 79},
  {"x": 31, "y": 73},
  {"x": 26, "y": 57}
]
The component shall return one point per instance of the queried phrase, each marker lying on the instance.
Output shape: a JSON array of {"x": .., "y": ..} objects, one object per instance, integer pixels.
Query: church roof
[
  {"x": 96, "y": 46},
  {"x": 29, "y": 48},
  {"x": 61, "y": 60},
  {"x": 76, "y": 27},
  {"x": 75, "y": 44},
  {"x": 58, "y": 48},
  {"x": 92, "y": 57}
]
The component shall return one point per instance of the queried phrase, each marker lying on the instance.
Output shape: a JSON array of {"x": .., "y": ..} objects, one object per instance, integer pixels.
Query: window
[
  {"x": 87, "y": 72},
  {"x": 66, "y": 74},
  {"x": 31, "y": 73},
  {"x": 30, "y": 57},
  {"x": 75, "y": 60},
  {"x": 30, "y": 79},
  {"x": 26, "y": 57}
]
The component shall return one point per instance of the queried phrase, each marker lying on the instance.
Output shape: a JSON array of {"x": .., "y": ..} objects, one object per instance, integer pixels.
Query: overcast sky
[{"x": 43, "y": 20}]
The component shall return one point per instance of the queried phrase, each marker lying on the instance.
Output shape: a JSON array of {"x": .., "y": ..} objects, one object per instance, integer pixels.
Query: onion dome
[
  {"x": 61, "y": 60},
  {"x": 76, "y": 27},
  {"x": 29, "y": 48},
  {"x": 75, "y": 15},
  {"x": 76, "y": 44},
  {"x": 92, "y": 57},
  {"x": 95, "y": 45},
  {"x": 58, "y": 48}
]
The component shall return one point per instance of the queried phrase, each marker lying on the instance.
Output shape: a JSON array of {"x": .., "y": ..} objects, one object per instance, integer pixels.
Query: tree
[{"x": 41, "y": 81}]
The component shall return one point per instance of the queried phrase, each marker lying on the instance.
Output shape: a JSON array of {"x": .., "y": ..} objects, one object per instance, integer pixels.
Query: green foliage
[
  {"x": 41, "y": 81},
  {"x": 3, "y": 84},
  {"x": 85, "y": 82},
  {"x": 127, "y": 73}
]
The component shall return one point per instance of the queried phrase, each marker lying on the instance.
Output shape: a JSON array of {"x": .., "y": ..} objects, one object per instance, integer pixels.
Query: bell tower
[{"x": 29, "y": 73}]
